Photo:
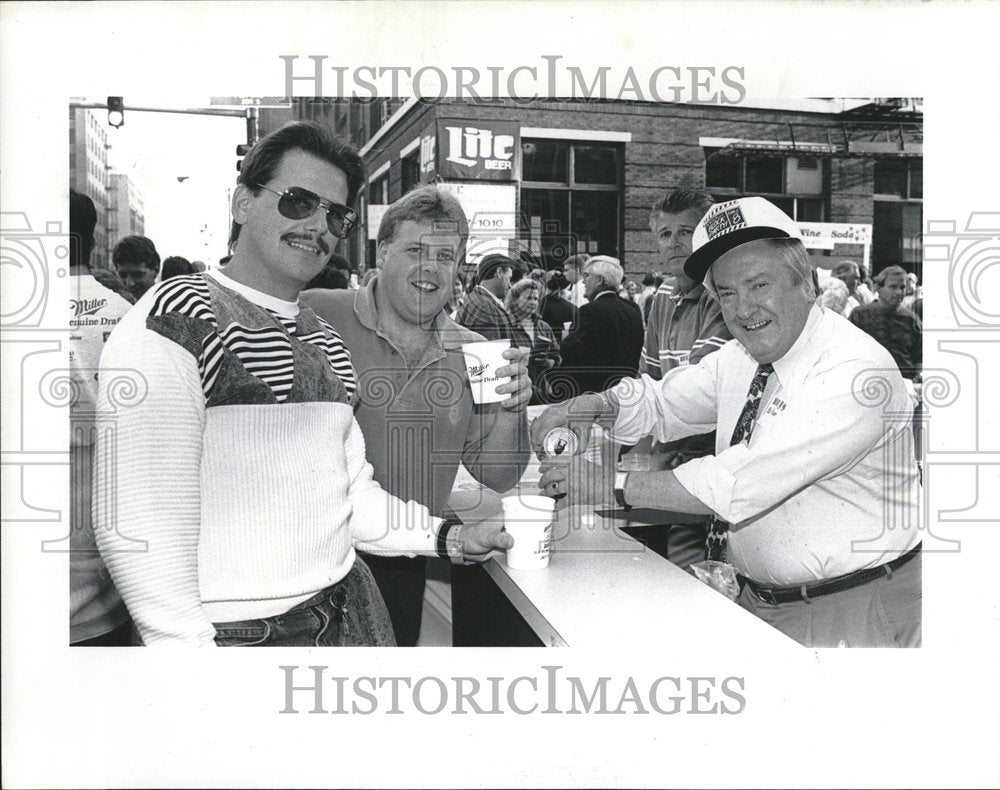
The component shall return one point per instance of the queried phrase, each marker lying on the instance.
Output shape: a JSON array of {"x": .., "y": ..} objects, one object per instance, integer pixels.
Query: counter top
[{"x": 603, "y": 587}]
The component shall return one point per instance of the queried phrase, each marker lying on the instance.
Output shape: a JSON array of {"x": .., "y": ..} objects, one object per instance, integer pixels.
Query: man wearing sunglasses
[
  {"x": 228, "y": 373},
  {"x": 412, "y": 381}
]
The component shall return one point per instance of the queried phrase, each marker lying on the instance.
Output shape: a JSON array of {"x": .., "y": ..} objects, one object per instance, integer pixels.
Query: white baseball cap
[{"x": 728, "y": 225}]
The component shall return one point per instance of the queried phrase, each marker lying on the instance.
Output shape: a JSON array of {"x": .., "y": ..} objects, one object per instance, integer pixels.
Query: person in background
[
  {"x": 175, "y": 266},
  {"x": 247, "y": 385},
  {"x": 412, "y": 381},
  {"x": 898, "y": 330},
  {"x": 198, "y": 266},
  {"x": 835, "y": 296},
  {"x": 865, "y": 292},
  {"x": 648, "y": 289},
  {"x": 97, "y": 615},
  {"x": 522, "y": 302},
  {"x": 484, "y": 311},
  {"x": 457, "y": 298},
  {"x": 913, "y": 292},
  {"x": 110, "y": 280},
  {"x": 685, "y": 325},
  {"x": 804, "y": 470},
  {"x": 137, "y": 262},
  {"x": 573, "y": 270},
  {"x": 849, "y": 273},
  {"x": 558, "y": 312},
  {"x": 606, "y": 340}
]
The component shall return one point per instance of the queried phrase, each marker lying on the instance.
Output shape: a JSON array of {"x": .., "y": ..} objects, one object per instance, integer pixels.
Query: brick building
[{"x": 551, "y": 177}]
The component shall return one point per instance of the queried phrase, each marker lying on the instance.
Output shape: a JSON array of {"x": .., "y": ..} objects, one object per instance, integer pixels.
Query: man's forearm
[
  {"x": 662, "y": 491},
  {"x": 505, "y": 452}
]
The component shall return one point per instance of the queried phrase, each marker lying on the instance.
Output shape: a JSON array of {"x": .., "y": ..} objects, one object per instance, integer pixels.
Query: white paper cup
[
  {"x": 482, "y": 360},
  {"x": 528, "y": 519}
]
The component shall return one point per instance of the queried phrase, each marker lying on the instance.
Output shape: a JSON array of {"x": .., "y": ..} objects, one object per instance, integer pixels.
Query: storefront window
[
  {"x": 570, "y": 199},
  {"x": 595, "y": 164},
  {"x": 765, "y": 175},
  {"x": 890, "y": 178},
  {"x": 545, "y": 161},
  {"x": 722, "y": 172}
]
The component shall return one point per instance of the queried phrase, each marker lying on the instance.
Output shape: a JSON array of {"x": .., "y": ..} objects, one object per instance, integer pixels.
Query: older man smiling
[{"x": 814, "y": 484}]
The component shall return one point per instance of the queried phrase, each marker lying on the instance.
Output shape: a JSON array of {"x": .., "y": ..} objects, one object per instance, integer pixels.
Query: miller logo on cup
[{"x": 482, "y": 360}]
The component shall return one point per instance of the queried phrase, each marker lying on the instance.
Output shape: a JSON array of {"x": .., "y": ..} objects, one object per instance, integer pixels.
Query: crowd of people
[{"x": 326, "y": 416}]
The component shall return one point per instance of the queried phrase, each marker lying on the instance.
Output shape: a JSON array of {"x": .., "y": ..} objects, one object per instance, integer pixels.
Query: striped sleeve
[
  {"x": 338, "y": 355},
  {"x": 649, "y": 361},
  {"x": 713, "y": 333}
]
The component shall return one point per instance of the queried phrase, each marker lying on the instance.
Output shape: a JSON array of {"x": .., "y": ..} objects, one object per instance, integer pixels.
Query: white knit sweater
[{"x": 224, "y": 504}]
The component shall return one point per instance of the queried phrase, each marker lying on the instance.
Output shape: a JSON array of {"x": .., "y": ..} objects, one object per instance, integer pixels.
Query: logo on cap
[{"x": 725, "y": 221}]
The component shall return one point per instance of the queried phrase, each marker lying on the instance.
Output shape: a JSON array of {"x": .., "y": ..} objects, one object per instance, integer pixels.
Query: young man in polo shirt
[{"x": 414, "y": 403}]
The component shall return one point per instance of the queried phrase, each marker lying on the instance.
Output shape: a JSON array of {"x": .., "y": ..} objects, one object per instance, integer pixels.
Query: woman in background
[{"x": 522, "y": 302}]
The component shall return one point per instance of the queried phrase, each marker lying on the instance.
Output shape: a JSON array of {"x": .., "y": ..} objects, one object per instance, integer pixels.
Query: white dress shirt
[{"x": 830, "y": 465}]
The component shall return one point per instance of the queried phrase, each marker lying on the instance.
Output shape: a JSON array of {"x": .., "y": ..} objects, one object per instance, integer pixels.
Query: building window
[
  {"x": 570, "y": 199},
  {"x": 897, "y": 216},
  {"x": 899, "y": 178},
  {"x": 797, "y": 185},
  {"x": 378, "y": 191},
  {"x": 411, "y": 171}
]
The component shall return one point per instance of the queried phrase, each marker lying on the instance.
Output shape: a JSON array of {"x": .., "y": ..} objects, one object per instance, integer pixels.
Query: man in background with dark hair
[
  {"x": 684, "y": 326},
  {"x": 249, "y": 386},
  {"x": 137, "y": 262},
  {"x": 556, "y": 311},
  {"x": 175, "y": 266},
  {"x": 97, "y": 615},
  {"x": 484, "y": 310}
]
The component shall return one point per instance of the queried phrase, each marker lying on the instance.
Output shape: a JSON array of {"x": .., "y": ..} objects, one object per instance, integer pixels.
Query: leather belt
[{"x": 805, "y": 592}]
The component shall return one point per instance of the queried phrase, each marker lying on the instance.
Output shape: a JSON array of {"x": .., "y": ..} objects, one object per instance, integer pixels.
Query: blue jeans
[{"x": 348, "y": 613}]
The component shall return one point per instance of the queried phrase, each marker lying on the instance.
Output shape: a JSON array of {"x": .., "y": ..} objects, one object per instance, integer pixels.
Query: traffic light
[
  {"x": 241, "y": 151},
  {"x": 116, "y": 111}
]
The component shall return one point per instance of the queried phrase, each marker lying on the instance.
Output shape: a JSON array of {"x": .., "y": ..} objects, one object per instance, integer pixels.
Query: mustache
[{"x": 319, "y": 241}]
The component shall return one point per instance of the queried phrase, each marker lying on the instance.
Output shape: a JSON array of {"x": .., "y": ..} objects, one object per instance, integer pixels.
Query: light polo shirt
[
  {"x": 418, "y": 424},
  {"x": 828, "y": 484}
]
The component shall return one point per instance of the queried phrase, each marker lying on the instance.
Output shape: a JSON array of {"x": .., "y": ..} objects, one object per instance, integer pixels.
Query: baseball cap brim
[{"x": 701, "y": 260}]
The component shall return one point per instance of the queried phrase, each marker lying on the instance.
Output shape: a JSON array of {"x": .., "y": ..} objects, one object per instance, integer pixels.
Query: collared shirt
[
  {"x": 576, "y": 294},
  {"x": 898, "y": 330},
  {"x": 682, "y": 329},
  {"x": 830, "y": 463},
  {"x": 485, "y": 314},
  {"x": 418, "y": 423}
]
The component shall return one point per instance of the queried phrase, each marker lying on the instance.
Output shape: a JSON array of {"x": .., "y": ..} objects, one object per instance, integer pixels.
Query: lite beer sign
[{"x": 482, "y": 150}]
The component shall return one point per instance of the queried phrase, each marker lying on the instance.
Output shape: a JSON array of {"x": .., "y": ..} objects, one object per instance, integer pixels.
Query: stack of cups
[{"x": 528, "y": 519}]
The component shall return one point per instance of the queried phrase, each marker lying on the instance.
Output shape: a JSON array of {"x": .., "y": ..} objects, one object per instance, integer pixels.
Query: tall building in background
[
  {"x": 126, "y": 209},
  {"x": 88, "y": 173}
]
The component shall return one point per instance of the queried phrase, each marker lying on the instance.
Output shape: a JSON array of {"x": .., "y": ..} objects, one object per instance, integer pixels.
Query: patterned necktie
[{"x": 718, "y": 533}]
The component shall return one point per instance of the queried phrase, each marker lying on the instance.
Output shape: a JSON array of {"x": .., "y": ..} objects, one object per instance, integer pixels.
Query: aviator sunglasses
[{"x": 299, "y": 203}]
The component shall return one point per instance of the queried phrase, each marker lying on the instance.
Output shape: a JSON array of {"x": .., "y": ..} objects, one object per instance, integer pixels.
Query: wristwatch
[
  {"x": 621, "y": 479},
  {"x": 449, "y": 541}
]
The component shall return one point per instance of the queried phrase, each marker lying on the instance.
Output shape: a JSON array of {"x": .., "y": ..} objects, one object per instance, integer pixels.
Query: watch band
[
  {"x": 450, "y": 545},
  {"x": 621, "y": 480}
]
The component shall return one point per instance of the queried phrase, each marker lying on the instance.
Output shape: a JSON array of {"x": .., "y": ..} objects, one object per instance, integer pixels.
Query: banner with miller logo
[{"x": 478, "y": 150}]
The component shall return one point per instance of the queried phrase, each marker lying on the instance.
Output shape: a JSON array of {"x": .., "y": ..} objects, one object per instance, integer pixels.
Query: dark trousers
[
  {"x": 401, "y": 580},
  {"x": 120, "y": 637}
]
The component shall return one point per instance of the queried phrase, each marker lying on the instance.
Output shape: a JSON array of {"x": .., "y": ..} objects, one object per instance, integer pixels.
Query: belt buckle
[{"x": 766, "y": 596}]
